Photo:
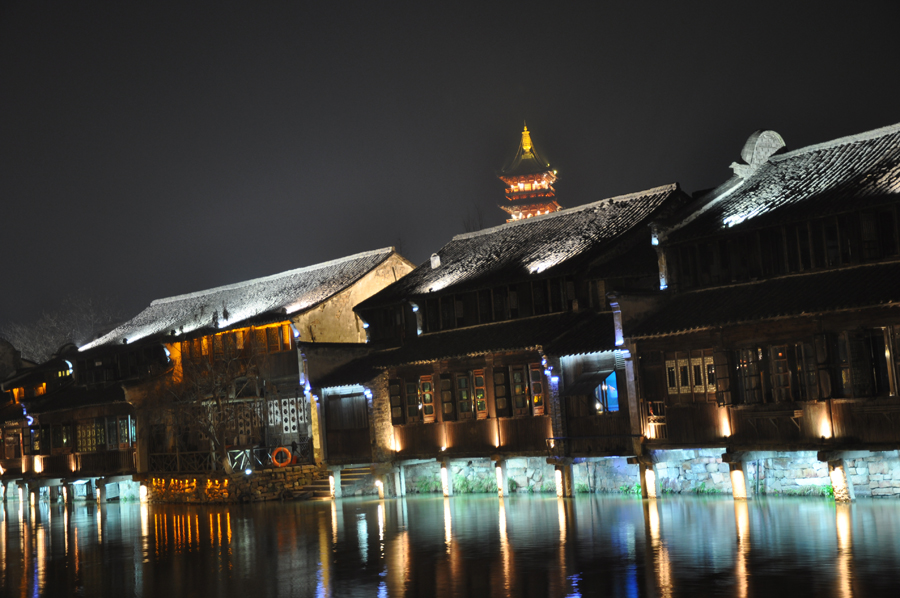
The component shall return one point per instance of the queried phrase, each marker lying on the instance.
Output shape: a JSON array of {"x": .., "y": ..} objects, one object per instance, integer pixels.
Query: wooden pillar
[
  {"x": 840, "y": 481},
  {"x": 336, "y": 483},
  {"x": 564, "y": 486},
  {"x": 740, "y": 480},
  {"x": 446, "y": 478},
  {"x": 402, "y": 483},
  {"x": 502, "y": 478},
  {"x": 649, "y": 480}
]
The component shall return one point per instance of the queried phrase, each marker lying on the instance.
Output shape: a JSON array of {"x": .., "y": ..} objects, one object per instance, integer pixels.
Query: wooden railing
[{"x": 95, "y": 464}]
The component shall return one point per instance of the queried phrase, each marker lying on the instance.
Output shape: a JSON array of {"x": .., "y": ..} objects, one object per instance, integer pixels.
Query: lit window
[
  {"x": 607, "y": 395},
  {"x": 426, "y": 391}
]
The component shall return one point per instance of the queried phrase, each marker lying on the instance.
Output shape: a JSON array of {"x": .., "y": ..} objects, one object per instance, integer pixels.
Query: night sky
[{"x": 149, "y": 151}]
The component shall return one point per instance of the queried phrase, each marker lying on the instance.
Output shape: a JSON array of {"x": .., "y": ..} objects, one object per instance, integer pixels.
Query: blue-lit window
[{"x": 607, "y": 395}]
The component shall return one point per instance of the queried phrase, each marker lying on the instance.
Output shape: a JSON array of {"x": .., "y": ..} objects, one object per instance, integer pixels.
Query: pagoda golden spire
[{"x": 526, "y": 140}]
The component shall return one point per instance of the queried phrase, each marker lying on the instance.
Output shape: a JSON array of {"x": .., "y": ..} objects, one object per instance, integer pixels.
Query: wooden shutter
[{"x": 723, "y": 378}]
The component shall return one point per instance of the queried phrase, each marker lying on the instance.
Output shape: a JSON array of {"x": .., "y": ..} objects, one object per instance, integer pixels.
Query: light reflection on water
[{"x": 461, "y": 546}]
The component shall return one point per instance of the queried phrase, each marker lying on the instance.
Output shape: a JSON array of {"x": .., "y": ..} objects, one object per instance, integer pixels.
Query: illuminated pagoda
[{"x": 529, "y": 179}]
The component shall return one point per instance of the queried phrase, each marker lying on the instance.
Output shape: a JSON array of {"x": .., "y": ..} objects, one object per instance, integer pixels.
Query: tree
[
  {"x": 214, "y": 393},
  {"x": 78, "y": 319}
]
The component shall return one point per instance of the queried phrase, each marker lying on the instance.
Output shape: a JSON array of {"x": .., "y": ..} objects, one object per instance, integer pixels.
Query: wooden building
[
  {"x": 501, "y": 345},
  {"x": 778, "y": 326},
  {"x": 195, "y": 381}
]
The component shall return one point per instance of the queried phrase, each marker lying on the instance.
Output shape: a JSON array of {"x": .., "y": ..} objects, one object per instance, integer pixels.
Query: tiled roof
[
  {"x": 799, "y": 294},
  {"x": 828, "y": 178},
  {"x": 557, "y": 242},
  {"x": 221, "y": 307},
  {"x": 567, "y": 333}
]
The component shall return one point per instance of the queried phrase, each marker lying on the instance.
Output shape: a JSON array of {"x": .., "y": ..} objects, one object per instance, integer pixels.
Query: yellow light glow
[
  {"x": 38, "y": 465},
  {"x": 143, "y": 493},
  {"x": 331, "y": 485},
  {"x": 445, "y": 482},
  {"x": 448, "y": 526},
  {"x": 825, "y": 426},
  {"x": 559, "y": 483},
  {"x": 724, "y": 423},
  {"x": 738, "y": 483},
  {"x": 499, "y": 472},
  {"x": 650, "y": 480}
]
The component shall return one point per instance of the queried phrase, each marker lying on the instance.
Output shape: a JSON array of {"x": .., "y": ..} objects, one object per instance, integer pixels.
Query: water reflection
[{"x": 461, "y": 546}]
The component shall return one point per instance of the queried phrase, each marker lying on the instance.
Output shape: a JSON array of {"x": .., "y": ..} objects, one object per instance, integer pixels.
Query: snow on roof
[
  {"x": 530, "y": 246},
  {"x": 817, "y": 180},
  {"x": 221, "y": 307}
]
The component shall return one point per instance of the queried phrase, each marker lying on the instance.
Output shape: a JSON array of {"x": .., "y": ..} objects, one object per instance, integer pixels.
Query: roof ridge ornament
[
  {"x": 760, "y": 146},
  {"x": 527, "y": 145}
]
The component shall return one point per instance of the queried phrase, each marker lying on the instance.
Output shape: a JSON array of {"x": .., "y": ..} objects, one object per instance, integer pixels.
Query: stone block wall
[
  {"x": 531, "y": 474},
  {"x": 877, "y": 476},
  {"x": 700, "y": 471},
  {"x": 605, "y": 475}
]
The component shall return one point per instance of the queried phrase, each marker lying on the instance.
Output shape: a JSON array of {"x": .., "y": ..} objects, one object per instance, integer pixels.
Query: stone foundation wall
[
  {"x": 699, "y": 471},
  {"x": 531, "y": 474},
  {"x": 606, "y": 475},
  {"x": 262, "y": 485},
  {"x": 876, "y": 476}
]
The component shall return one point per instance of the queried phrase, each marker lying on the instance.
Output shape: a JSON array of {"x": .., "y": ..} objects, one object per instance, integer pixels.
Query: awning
[{"x": 587, "y": 382}]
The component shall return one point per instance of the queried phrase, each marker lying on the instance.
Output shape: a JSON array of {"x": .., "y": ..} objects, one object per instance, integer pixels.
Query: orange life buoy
[{"x": 287, "y": 454}]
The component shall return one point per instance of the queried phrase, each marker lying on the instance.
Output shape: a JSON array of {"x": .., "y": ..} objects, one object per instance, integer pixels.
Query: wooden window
[
  {"x": 481, "y": 411},
  {"x": 448, "y": 313},
  {"x": 260, "y": 338},
  {"x": 204, "y": 346},
  {"x": 112, "y": 434},
  {"x": 394, "y": 387},
  {"x": 832, "y": 242},
  {"x": 286, "y": 337},
  {"x": 218, "y": 347},
  {"x": 519, "y": 383},
  {"x": 523, "y": 293},
  {"x": 749, "y": 383},
  {"x": 864, "y": 363},
  {"x": 239, "y": 340},
  {"x": 606, "y": 395},
  {"x": 556, "y": 296},
  {"x": 709, "y": 367},
  {"x": 448, "y": 412},
  {"x": 432, "y": 315},
  {"x": 464, "y": 396},
  {"x": 413, "y": 407},
  {"x": 426, "y": 392},
  {"x": 273, "y": 343},
  {"x": 485, "y": 312},
  {"x": 781, "y": 373},
  {"x": 230, "y": 347},
  {"x": 501, "y": 307},
  {"x": 539, "y": 294},
  {"x": 537, "y": 388},
  {"x": 501, "y": 392},
  {"x": 671, "y": 377}
]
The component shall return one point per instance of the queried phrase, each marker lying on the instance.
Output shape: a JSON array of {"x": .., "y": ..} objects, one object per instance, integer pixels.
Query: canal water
[{"x": 464, "y": 546}]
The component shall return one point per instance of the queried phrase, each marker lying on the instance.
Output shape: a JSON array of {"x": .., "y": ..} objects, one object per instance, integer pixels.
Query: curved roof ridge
[
  {"x": 864, "y": 136},
  {"x": 563, "y": 212},
  {"x": 245, "y": 283}
]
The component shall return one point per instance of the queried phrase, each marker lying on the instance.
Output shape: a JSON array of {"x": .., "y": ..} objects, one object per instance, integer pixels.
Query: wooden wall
[{"x": 607, "y": 433}]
